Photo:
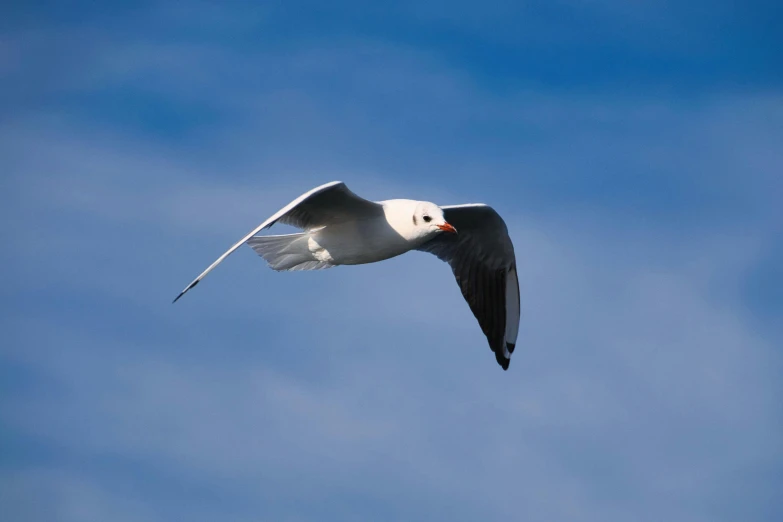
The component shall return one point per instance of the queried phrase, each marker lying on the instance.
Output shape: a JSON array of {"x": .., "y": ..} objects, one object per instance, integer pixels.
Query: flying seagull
[{"x": 340, "y": 228}]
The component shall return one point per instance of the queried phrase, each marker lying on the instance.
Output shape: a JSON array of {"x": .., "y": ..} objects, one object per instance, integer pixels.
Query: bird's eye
[{"x": 427, "y": 219}]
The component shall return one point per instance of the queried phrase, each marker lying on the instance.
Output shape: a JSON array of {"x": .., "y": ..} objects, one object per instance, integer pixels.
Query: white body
[{"x": 366, "y": 240}]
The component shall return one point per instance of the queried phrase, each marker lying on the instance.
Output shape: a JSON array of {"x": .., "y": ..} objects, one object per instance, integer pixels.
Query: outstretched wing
[
  {"x": 481, "y": 256},
  {"x": 325, "y": 205}
]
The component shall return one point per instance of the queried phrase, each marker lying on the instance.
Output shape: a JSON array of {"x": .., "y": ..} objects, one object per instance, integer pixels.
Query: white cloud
[
  {"x": 629, "y": 370},
  {"x": 641, "y": 382}
]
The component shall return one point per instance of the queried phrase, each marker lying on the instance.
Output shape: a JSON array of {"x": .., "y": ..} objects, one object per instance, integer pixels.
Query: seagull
[{"x": 341, "y": 228}]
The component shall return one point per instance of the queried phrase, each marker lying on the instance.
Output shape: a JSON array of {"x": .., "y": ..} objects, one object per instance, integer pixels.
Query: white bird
[{"x": 340, "y": 228}]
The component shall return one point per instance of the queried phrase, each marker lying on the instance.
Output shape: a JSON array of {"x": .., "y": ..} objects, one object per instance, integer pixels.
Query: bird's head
[{"x": 428, "y": 218}]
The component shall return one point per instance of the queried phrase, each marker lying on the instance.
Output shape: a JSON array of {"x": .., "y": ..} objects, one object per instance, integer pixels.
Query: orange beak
[{"x": 447, "y": 228}]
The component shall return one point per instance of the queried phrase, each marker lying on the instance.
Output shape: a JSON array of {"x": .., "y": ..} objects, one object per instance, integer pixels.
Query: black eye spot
[{"x": 427, "y": 219}]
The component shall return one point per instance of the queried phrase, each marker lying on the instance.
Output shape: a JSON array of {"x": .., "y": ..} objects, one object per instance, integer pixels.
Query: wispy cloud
[{"x": 644, "y": 386}]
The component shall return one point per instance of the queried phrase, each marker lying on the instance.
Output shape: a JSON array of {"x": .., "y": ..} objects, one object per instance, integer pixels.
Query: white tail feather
[{"x": 288, "y": 252}]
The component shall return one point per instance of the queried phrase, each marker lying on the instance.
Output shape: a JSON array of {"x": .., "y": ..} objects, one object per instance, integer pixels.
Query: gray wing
[
  {"x": 481, "y": 256},
  {"x": 325, "y": 205}
]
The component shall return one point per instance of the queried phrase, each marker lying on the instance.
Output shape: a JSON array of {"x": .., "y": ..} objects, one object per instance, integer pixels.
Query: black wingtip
[
  {"x": 191, "y": 285},
  {"x": 511, "y": 347},
  {"x": 502, "y": 361}
]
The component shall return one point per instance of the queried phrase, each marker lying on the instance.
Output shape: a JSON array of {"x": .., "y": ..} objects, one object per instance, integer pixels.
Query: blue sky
[{"x": 632, "y": 147}]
